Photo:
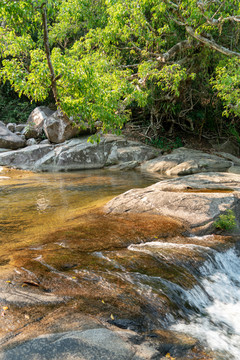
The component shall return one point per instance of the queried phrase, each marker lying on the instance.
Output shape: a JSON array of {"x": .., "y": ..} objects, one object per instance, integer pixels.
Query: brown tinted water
[
  {"x": 35, "y": 204},
  {"x": 56, "y": 240}
]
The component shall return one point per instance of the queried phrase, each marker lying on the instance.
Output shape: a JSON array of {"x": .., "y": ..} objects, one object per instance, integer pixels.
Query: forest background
[{"x": 171, "y": 67}]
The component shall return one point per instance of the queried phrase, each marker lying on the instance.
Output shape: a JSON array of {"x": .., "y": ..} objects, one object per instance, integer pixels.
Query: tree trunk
[{"x": 48, "y": 54}]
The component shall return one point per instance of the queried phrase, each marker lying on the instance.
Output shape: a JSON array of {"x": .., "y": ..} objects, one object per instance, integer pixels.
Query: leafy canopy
[{"x": 111, "y": 56}]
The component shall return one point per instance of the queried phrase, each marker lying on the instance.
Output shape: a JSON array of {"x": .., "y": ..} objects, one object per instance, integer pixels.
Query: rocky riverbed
[
  {"x": 105, "y": 264},
  {"x": 80, "y": 283}
]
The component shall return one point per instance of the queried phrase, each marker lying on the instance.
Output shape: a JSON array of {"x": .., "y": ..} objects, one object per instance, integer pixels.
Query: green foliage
[
  {"x": 165, "y": 144},
  {"x": 11, "y": 108},
  {"x": 227, "y": 83},
  {"x": 226, "y": 221},
  {"x": 113, "y": 56}
]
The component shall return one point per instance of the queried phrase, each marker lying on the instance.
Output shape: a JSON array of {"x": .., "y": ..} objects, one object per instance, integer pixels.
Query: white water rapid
[{"x": 215, "y": 301}]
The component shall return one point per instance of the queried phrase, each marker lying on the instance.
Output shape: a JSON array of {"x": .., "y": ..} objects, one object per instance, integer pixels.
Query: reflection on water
[{"x": 32, "y": 205}]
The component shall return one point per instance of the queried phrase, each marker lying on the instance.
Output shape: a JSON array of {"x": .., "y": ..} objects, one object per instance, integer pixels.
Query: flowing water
[
  {"x": 213, "y": 304},
  {"x": 124, "y": 268}
]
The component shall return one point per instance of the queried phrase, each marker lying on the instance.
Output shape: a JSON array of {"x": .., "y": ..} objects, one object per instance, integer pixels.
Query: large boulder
[
  {"x": 197, "y": 200},
  {"x": 185, "y": 161},
  {"x": 34, "y": 127},
  {"x": 24, "y": 158},
  {"x": 9, "y": 140},
  {"x": 79, "y": 154},
  {"x": 58, "y": 128}
]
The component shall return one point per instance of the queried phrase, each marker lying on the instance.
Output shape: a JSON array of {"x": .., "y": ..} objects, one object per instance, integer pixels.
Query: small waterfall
[
  {"x": 216, "y": 299},
  {"x": 211, "y": 309}
]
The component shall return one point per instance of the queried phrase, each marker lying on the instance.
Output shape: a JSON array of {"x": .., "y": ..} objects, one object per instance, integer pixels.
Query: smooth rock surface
[
  {"x": 234, "y": 170},
  {"x": 235, "y": 160},
  {"x": 197, "y": 200},
  {"x": 184, "y": 161},
  {"x": 25, "y": 158},
  {"x": 11, "y": 294},
  {"x": 8, "y": 139},
  {"x": 78, "y": 154},
  {"x": 91, "y": 344}
]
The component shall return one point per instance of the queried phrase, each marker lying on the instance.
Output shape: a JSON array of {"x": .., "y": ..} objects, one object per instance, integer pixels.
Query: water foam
[{"x": 217, "y": 303}]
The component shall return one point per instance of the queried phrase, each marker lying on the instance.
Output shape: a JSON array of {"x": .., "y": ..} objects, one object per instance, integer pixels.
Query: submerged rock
[
  {"x": 197, "y": 200},
  {"x": 98, "y": 343}
]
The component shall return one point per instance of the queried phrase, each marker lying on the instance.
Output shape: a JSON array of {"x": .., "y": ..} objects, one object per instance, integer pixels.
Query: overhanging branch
[{"x": 212, "y": 44}]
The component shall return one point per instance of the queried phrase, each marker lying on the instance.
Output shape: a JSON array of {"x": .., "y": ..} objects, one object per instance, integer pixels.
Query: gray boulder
[
  {"x": 79, "y": 154},
  {"x": 58, "y": 129},
  {"x": 234, "y": 170},
  {"x": 31, "y": 141},
  {"x": 197, "y": 200},
  {"x": 184, "y": 161},
  {"x": 34, "y": 127},
  {"x": 24, "y": 158},
  {"x": 8, "y": 139},
  {"x": 234, "y": 159},
  {"x": 19, "y": 127},
  {"x": 11, "y": 127}
]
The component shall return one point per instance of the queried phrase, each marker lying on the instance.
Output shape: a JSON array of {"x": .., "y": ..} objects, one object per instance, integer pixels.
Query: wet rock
[
  {"x": 175, "y": 344},
  {"x": 13, "y": 294},
  {"x": 100, "y": 343},
  {"x": 197, "y": 200},
  {"x": 184, "y": 161},
  {"x": 8, "y": 139}
]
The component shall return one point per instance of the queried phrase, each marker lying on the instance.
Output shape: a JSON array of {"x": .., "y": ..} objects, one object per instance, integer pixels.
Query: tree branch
[
  {"x": 211, "y": 43},
  {"x": 182, "y": 45}
]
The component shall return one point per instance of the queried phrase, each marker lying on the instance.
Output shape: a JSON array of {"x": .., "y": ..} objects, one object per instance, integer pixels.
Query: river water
[{"x": 184, "y": 284}]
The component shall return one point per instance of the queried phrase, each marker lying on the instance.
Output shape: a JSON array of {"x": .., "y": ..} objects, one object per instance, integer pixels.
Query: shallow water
[
  {"x": 53, "y": 236},
  {"x": 35, "y": 204}
]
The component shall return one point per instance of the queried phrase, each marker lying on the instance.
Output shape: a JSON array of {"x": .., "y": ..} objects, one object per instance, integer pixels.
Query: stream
[{"x": 129, "y": 270}]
